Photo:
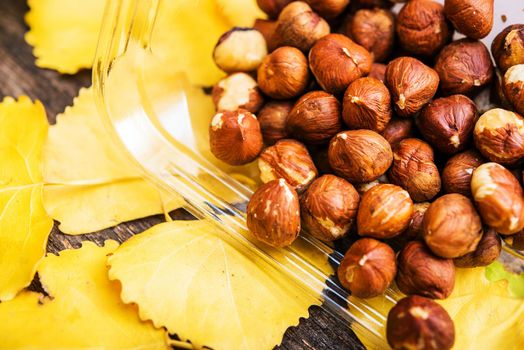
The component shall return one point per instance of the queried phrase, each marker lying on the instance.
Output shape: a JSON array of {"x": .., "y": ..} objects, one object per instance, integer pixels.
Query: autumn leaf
[
  {"x": 496, "y": 272},
  {"x": 83, "y": 309},
  {"x": 91, "y": 185},
  {"x": 183, "y": 275},
  {"x": 24, "y": 225}
]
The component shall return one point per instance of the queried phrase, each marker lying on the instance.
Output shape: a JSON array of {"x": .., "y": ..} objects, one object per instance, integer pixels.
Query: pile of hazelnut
[{"x": 363, "y": 123}]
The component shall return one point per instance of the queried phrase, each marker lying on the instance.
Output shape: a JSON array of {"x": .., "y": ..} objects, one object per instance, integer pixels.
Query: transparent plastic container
[{"x": 145, "y": 103}]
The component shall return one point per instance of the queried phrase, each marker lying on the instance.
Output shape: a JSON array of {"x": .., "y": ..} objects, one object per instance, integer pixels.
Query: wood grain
[{"x": 20, "y": 76}]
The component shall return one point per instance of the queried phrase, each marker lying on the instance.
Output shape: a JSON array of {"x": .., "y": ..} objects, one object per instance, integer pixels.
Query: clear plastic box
[{"x": 149, "y": 109}]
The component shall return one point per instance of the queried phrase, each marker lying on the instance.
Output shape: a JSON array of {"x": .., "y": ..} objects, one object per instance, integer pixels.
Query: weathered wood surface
[{"x": 20, "y": 76}]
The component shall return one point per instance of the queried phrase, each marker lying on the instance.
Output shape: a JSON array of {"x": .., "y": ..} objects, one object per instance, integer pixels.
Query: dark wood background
[{"x": 20, "y": 76}]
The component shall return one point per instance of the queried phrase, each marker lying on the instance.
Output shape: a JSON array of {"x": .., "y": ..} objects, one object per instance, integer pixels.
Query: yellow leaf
[
  {"x": 83, "y": 311},
  {"x": 92, "y": 185},
  {"x": 64, "y": 33},
  {"x": 241, "y": 12},
  {"x": 183, "y": 275},
  {"x": 24, "y": 225}
]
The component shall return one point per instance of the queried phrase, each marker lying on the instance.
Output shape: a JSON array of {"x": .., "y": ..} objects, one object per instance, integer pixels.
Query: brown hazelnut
[
  {"x": 328, "y": 9},
  {"x": 421, "y": 272},
  {"x": 360, "y": 155},
  {"x": 488, "y": 250},
  {"x": 267, "y": 29},
  {"x": 273, "y": 7},
  {"x": 422, "y": 28},
  {"x": 328, "y": 208},
  {"x": 447, "y": 123},
  {"x": 237, "y": 91},
  {"x": 499, "y": 198},
  {"x": 385, "y": 212},
  {"x": 272, "y": 118},
  {"x": 378, "y": 71},
  {"x": 273, "y": 214},
  {"x": 299, "y": 26},
  {"x": 452, "y": 226},
  {"x": 498, "y": 95},
  {"x": 238, "y": 130},
  {"x": 336, "y": 61},
  {"x": 417, "y": 323},
  {"x": 368, "y": 268},
  {"x": 473, "y": 18},
  {"x": 397, "y": 130},
  {"x": 240, "y": 50},
  {"x": 373, "y": 29},
  {"x": 289, "y": 160},
  {"x": 516, "y": 241},
  {"x": 456, "y": 176},
  {"x": 514, "y": 87},
  {"x": 284, "y": 74},
  {"x": 499, "y": 136},
  {"x": 464, "y": 66},
  {"x": 415, "y": 228},
  {"x": 414, "y": 169},
  {"x": 412, "y": 84},
  {"x": 367, "y": 105},
  {"x": 315, "y": 118},
  {"x": 508, "y": 47}
]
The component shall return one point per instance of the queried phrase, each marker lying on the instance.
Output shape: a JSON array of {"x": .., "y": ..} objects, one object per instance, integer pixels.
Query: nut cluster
[{"x": 367, "y": 127}]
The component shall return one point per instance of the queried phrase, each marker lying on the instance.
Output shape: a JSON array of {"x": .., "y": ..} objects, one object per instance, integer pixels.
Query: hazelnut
[
  {"x": 414, "y": 169},
  {"x": 499, "y": 136},
  {"x": 473, "y": 18},
  {"x": 508, "y": 47},
  {"x": 514, "y": 87},
  {"x": 422, "y": 273},
  {"x": 328, "y": 9},
  {"x": 378, "y": 71},
  {"x": 447, "y": 123},
  {"x": 273, "y": 214},
  {"x": 464, "y": 66},
  {"x": 272, "y": 118},
  {"x": 367, "y": 105},
  {"x": 497, "y": 94},
  {"x": 237, "y": 91},
  {"x": 385, "y": 212},
  {"x": 240, "y": 50},
  {"x": 452, "y": 226},
  {"x": 516, "y": 241},
  {"x": 284, "y": 74},
  {"x": 397, "y": 130},
  {"x": 499, "y": 198},
  {"x": 368, "y": 268},
  {"x": 289, "y": 160},
  {"x": 415, "y": 228},
  {"x": 329, "y": 207},
  {"x": 422, "y": 28},
  {"x": 299, "y": 26},
  {"x": 336, "y": 61},
  {"x": 412, "y": 84},
  {"x": 488, "y": 250},
  {"x": 273, "y": 7},
  {"x": 456, "y": 177},
  {"x": 238, "y": 130},
  {"x": 320, "y": 158},
  {"x": 360, "y": 155},
  {"x": 315, "y": 118},
  {"x": 267, "y": 29},
  {"x": 374, "y": 30},
  {"x": 418, "y": 323}
]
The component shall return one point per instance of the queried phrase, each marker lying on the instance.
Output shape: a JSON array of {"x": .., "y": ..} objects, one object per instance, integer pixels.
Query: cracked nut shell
[
  {"x": 368, "y": 268},
  {"x": 447, "y": 123},
  {"x": 488, "y": 250},
  {"x": 514, "y": 87},
  {"x": 315, "y": 118},
  {"x": 508, "y": 47},
  {"x": 452, "y": 226},
  {"x": 359, "y": 155},
  {"x": 273, "y": 214},
  {"x": 329, "y": 207},
  {"x": 272, "y": 118},
  {"x": 367, "y": 105},
  {"x": 238, "y": 130},
  {"x": 289, "y": 160},
  {"x": 417, "y": 323},
  {"x": 336, "y": 61},
  {"x": 237, "y": 91},
  {"x": 423, "y": 273},
  {"x": 412, "y": 84},
  {"x": 457, "y": 173},
  {"x": 473, "y": 18}
]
